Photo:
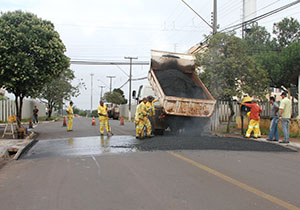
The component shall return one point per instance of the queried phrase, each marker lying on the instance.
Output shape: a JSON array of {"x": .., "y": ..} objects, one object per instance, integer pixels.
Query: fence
[
  {"x": 224, "y": 110},
  {"x": 8, "y": 108}
]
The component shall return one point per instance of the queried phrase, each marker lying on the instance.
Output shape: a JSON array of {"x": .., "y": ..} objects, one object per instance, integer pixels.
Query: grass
[{"x": 39, "y": 118}]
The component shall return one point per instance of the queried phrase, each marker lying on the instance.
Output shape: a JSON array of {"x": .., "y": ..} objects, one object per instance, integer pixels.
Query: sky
[{"x": 98, "y": 30}]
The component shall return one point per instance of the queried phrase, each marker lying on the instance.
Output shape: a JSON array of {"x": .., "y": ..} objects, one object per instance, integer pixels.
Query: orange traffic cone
[
  {"x": 122, "y": 121},
  {"x": 30, "y": 124},
  {"x": 94, "y": 122},
  {"x": 64, "y": 122}
]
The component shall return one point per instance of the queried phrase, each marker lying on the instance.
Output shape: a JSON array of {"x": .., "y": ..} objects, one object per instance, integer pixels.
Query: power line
[
  {"x": 142, "y": 78},
  {"x": 82, "y": 62},
  {"x": 197, "y": 14},
  {"x": 237, "y": 26},
  {"x": 124, "y": 84}
]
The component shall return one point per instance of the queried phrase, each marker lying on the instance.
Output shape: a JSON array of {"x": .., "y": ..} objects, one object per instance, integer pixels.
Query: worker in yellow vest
[
  {"x": 70, "y": 117},
  {"x": 150, "y": 105},
  {"x": 142, "y": 120},
  {"x": 103, "y": 119}
]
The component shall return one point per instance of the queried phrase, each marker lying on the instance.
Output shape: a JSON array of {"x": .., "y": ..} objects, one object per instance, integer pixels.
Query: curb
[
  {"x": 294, "y": 145},
  {"x": 19, "y": 146},
  {"x": 21, "y": 151}
]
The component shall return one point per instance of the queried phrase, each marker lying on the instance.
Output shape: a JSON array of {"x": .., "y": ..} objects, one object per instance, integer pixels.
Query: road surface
[{"x": 80, "y": 170}]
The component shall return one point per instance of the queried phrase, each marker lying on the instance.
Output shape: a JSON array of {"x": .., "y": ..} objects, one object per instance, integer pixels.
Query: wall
[
  {"x": 124, "y": 110},
  {"x": 7, "y": 108}
]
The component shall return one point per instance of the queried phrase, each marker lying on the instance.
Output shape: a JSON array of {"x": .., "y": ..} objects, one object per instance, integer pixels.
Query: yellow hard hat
[{"x": 246, "y": 99}]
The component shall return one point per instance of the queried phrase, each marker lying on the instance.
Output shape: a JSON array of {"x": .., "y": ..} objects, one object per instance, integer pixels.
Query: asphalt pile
[
  {"x": 175, "y": 82},
  {"x": 207, "y": 143}
]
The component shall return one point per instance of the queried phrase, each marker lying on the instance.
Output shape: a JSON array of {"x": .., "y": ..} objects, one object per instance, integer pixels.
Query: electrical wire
[
  {"x": 237, "y": 26},
  {"x": 142, "y": 78},
  {"x": 124, "y": 84}
]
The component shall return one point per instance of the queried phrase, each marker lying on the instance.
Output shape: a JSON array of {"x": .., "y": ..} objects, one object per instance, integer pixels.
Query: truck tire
[{"x": 159, "y": 132}]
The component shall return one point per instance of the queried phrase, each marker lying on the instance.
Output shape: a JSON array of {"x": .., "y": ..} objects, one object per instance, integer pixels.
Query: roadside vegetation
[
  {"x": 232, "y": 66},
  {"x": 33, "y": 61}
]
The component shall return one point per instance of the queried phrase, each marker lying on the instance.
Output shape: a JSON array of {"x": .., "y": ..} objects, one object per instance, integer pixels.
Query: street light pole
[
  {"x": 92, "y": 92},
  {"x": 299, "y": 96},
  {"x": 101, "y": 86},
  {"x": 130, "y": 77},
  {"x": 110, "y": 83}
]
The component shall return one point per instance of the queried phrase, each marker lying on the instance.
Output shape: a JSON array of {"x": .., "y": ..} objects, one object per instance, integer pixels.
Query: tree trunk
[
  {"x": 231, "y": 116},
  {"x": 19, "y": 109},
  {"x": 49, "y": 112}
]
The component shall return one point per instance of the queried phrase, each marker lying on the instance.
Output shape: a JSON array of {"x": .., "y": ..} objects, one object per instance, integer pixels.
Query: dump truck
[{"x": 184, "y": 103}]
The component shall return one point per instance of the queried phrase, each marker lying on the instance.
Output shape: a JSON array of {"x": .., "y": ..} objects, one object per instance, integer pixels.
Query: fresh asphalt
[{"x": 82, "y": 170}]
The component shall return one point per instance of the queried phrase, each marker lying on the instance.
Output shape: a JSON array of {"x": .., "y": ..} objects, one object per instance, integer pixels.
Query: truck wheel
[{"x": 159, "y": 132}]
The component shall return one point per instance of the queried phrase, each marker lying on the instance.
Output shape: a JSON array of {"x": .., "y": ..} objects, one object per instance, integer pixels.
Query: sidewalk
[
  {"x": 13, "y": 148},
  {"x": 294, "y": 142}
]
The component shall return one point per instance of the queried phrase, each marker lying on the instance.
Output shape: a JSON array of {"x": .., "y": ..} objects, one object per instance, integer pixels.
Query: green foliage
[
  {"x": 279, "y": 57},
  {"x": 94, "y": 113},
  {"x": 60, "y": 89},
  {"x": 229, "y": 70},
  {"x": 31, "y": 53},
  {"x": 287, "y": 31},
  {"x": 115, "y": 97},
  {"x": 257, "y": 39}
]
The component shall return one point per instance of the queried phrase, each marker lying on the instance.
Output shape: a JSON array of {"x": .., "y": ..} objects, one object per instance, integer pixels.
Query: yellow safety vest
[
  {"x": 70, "y": 111},
  {"x": 142, "y": 109},
  {"x": 102, "y": 110}
]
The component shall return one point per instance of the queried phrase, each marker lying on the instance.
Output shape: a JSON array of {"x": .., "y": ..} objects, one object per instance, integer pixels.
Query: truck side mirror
[{"x": 133, "y": 93}]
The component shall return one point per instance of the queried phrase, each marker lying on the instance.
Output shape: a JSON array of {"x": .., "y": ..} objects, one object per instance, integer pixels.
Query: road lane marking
[
  {"x": 97, "y": 164},
  {"x": 238, "y": 183}
]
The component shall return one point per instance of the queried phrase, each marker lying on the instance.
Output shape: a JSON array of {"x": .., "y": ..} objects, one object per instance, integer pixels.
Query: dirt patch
[{"x": 175, "y": 82}]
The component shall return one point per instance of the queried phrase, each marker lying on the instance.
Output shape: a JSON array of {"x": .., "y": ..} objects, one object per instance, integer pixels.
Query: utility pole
[
  {"x": 299, "y": 96},
  {"x": 101, "y": 86},
  {"x": 92, "y": 92},
  {"x": 110, "y": 84},
  {"x": 130, "y": 77},
  {"x": 215, "y": 26}
]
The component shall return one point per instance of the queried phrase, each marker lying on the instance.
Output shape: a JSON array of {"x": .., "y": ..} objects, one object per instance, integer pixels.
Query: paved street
[{"x": 80, "y": 170}]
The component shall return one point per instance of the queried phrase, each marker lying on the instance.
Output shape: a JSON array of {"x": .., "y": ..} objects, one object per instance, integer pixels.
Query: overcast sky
[{"x": 109, "y": 30}]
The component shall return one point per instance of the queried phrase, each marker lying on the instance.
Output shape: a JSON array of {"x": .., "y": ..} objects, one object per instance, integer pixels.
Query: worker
[
  {"x": 150, "y": 105},
  {"x": 142, "y": 120},
  {"x": 254, "y": 119},
  {"x": 70, "y": 117},
  {"x": 151, "y": 109},
  {"x": 103, "y": 119},
  {"x": 137, "y": 121}
]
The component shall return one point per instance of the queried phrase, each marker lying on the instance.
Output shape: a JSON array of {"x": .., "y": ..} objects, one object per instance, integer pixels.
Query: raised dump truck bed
[{"x": 178, "y": 88}]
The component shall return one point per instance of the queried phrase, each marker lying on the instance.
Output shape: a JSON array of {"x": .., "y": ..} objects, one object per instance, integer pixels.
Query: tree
[
  {"x": 258, "y": 39},
  {"x": 31, "y": 53},
  {"x": 115, "y": 97},
  {"x": 58, "y": 90},
  {"x": 279, "y": 57},
  {"x": 287, "y": 44},
  {"x": 229, "y": 71},
  {"x": 287, "y": 31}
]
